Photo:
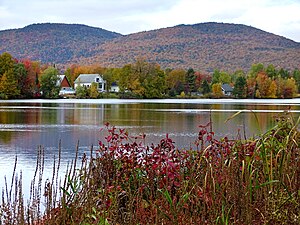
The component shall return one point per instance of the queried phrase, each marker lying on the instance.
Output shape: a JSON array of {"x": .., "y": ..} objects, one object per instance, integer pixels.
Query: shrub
[{"x": 81, "y": 92}]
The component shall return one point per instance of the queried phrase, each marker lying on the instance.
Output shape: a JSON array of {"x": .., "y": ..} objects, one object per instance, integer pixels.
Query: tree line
[{"x": 141, "y": 79}]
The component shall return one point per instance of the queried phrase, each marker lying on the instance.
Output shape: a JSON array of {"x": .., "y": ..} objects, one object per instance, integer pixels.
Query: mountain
[
  {"x": 55, "y": 43},
  {"x": 204, "y": 46}
]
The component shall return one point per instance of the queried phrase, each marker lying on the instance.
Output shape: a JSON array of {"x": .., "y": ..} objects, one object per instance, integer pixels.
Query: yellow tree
[
  {"x": 292, "y": 87},
  {"x": 287, "y": 88},
  {"x": 263, "y": 84},
  {"x": 272, "y": 90},
  {"x": 175, "y": 76},
  {"x": 257, "y": 94},
  {"x": 251, "y": 87},
  {"x": 93, "y": 90},
  {"x": 137, "y": 87},
  {"x": 217, "y": 90},
  {"x": 8, "y": 82},
  {"x": 124, "y": 78},
  {"x": 146, "y": 79},
  {"x": 8, "y": 86},
  {"x": 225, "y": 78},
  {"x": 6, "y": 63}
]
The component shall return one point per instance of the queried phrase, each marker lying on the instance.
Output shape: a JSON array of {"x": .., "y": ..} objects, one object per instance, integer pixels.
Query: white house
[
  {"x": 86, "y": 80},
  {"x": 114, "y": 87}
]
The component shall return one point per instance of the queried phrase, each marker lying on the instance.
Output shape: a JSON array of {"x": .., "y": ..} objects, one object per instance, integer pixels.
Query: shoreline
[{"x": 166, "y": 101}]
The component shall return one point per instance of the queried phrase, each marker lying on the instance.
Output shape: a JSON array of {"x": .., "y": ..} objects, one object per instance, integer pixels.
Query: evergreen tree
[
  {"x": 240, "y": 87},
  {"x": 296, "y": 76},
  {"x": 271, "y": 71},
  {"x": 179, "y": 87},
  {"x": 205, "y": 87},
  {"x": 190, "y": 80},
  {"x": 285, "y": 74},
  {"x": 216, "y": 77}
]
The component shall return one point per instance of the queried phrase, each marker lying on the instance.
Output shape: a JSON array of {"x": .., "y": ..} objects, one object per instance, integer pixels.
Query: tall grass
[{"x": 253, "y": 181}]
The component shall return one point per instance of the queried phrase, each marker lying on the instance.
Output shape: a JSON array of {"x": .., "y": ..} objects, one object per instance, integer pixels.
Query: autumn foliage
[{"x": 143, "y": 79}]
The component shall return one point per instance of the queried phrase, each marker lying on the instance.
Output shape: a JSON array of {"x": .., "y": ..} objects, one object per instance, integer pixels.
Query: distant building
[
  {"x": 86, "y": 80},
  {"x": 114, "y": 87},
  {"x": 63, "y": 81},
  {"x": 227, "y": 89},
  {"x": 65, "y": 86}
]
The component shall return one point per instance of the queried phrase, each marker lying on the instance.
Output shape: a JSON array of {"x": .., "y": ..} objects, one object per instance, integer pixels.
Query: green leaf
[
  {"x": 184, "y": 198},
  {"x": 65, "y": 191},
  {"x": 266, "y": 183},
  {"x": 168, "y": 198}
]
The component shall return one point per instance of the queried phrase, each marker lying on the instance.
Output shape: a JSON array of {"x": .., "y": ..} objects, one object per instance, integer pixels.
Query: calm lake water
[{"x": 26, "y": 124}]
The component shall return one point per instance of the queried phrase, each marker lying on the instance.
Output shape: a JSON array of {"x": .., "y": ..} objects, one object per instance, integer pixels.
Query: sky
[{"x": 281, "y": 17}]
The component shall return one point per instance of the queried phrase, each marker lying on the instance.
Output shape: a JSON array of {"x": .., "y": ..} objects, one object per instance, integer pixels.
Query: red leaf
[{"x": 108, "y": 138}]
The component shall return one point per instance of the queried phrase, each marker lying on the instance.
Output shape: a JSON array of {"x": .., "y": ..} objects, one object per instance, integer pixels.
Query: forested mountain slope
[
  {"x": 204, "y": 46},
  {"x": 54, "y": 43}
]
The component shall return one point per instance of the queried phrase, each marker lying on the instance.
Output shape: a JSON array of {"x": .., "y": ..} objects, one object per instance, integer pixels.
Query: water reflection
[
  {"x": 45, "y": 123},
  {"x": 24, "y": 125}
]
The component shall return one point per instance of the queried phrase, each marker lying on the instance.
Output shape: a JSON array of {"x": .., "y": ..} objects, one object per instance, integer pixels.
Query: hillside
[
  {"x": 55, "y": 43},
  {"x": 204, "y": 46}
]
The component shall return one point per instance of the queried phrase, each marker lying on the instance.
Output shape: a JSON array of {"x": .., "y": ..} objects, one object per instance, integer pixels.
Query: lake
[{"x": 26, "y": 124}]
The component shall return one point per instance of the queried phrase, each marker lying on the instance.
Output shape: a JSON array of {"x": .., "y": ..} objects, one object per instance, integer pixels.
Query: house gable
[
  {"x": 64, "y": 81},
  {"x": 86, "y": 80},
  {"x": 227, "y": 89},
  {"x": 65, "y": 86}
]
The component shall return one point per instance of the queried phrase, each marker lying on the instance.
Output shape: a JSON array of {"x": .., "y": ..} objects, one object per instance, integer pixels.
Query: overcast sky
[{"x": 280, "y": 17}]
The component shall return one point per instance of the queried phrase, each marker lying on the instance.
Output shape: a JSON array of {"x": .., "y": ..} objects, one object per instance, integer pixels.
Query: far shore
[{"x": 293, "y": 101}]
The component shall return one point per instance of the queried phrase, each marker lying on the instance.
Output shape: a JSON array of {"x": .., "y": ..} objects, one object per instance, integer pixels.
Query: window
[{"x": 97, "y": 79}]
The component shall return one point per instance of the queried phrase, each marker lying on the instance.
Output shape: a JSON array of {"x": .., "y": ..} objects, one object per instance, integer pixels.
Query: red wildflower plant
[{"x": 222, "y": 181}]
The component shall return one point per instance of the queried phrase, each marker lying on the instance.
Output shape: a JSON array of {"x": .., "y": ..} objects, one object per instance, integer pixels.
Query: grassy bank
[{"x": 241, "y": 181}]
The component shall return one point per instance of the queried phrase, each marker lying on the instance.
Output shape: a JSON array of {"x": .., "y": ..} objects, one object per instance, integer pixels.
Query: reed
[{"x": 125, "y": 181}]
